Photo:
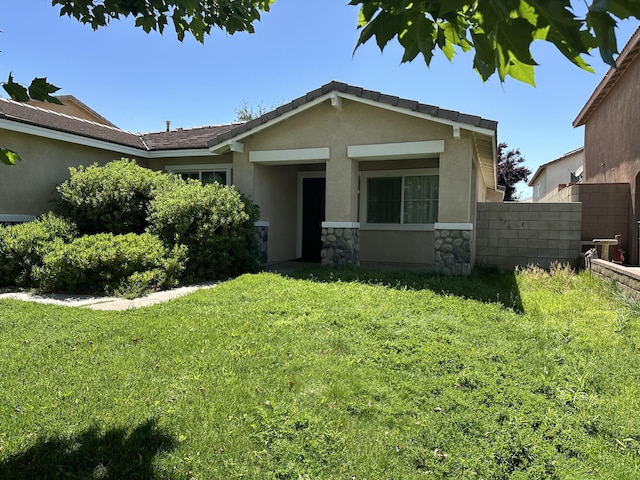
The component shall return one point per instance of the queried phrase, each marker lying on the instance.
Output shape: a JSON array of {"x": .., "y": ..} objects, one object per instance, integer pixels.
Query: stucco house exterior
[
  {"x": 341, "y": 174},
  {"x": 612, "y": 145},
  {"x": 551, "y": 177}
]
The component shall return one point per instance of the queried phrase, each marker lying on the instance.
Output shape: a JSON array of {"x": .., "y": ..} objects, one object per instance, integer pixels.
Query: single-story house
[
  {"x": 612, "y": 148},
  {"x": 551, "y": 177},
  {"x": 341, "y": 174}
]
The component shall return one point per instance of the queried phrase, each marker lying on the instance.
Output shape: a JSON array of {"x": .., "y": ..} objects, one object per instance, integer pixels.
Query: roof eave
[
  {"x": 299, "y": 105},
  {"x": 613, "y": 75}
]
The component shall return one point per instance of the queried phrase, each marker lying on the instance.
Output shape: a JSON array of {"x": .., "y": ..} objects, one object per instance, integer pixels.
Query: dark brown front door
[{"x": 313, "y": 203}]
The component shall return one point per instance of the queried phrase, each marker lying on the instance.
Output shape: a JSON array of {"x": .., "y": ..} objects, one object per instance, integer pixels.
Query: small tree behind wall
[{"x": 511, "y": 171}]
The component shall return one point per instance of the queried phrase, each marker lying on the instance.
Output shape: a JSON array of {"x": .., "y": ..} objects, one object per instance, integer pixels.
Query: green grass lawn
[{"x": 331, "y": 375}]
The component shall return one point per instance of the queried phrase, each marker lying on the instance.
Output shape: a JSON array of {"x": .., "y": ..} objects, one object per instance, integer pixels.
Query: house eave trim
[
  {"x": 334, "y": 98},
  {"x": 70, "y": 138},
  {"x": 290, "y": 156},
  {"x": 180, "y": 153},
  {"x": 396, "y": 151},
  {"x": 426, "y": 116}
]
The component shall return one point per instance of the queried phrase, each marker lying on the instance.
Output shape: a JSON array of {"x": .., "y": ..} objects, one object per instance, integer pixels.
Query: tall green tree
[{"x": 511, "y": 171}]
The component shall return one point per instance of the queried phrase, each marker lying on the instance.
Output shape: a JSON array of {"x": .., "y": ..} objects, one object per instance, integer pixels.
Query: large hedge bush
[
  {"x": 113, "y": 198},
  {"x": 108, "y": 263},
  {"x": 215, "y": 222},
  {"x": 23, "y": 246}
]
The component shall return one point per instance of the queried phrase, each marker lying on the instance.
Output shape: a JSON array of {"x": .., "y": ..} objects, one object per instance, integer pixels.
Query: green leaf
[
  {"x": 8, "y": 157},
  {"x": 16, "y": 91},
  {"x": 41, "y": 90},
  {"x": 604, "y": 28},
  {"x": 521, "y": 71},
  {"x": 516, "y": 37},
  {"x": 484, "y": 60},
  {"x": 450, "y": 6}
]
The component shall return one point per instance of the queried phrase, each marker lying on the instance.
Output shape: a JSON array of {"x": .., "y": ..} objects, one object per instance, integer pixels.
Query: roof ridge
[
  {"x": 366, "y": 95},
  {"x": 186, "y": 129}
]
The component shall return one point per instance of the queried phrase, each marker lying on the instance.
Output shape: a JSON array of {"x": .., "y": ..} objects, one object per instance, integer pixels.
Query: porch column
[
  {"x": 453, "y": 235},
  {"x": 341, "y": 230}
]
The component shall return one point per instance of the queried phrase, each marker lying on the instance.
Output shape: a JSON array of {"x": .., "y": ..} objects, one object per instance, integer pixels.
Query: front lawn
[{"x": 335, "y": 375}]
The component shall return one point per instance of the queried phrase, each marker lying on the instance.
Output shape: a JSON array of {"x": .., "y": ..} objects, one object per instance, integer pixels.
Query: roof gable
[
  {"x": 205, "y": 140},
  {"x": 30, "y": 115},
  {"x": 335, "y": 90},
  {"x": 544, "y": 166},
  {"x": 74, "y": 108},
  {"x": 610, "y": 80}
]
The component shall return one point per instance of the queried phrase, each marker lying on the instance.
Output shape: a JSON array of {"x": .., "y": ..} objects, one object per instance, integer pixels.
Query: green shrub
[
  {"x": 113, "y": 198},
  {"x": 22, "y": 247},
  {"x": 107, "y": 263},
  {"x": 215, "y": 223}
]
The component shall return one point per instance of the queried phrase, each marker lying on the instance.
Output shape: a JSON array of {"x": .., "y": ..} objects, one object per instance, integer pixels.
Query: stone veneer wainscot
[
  {"x": 340, "y": 243},
  {"x": 262, "y": 240},
  {"x": 453, "y": 248}
]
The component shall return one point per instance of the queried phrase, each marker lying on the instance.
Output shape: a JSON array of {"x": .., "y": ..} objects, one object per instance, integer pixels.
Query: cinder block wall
[
  {"x": 605, "y": 210},
  {"x": 519, "y": 234}
]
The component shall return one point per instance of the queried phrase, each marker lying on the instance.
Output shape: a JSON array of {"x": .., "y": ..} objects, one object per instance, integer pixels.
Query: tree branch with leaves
[{"x": 500, "y": 32}]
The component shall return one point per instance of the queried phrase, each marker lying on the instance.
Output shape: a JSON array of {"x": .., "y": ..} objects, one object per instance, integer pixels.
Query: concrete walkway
[
  {"x": 114, "y": 303},
  {"x": 106, "y": 303}
]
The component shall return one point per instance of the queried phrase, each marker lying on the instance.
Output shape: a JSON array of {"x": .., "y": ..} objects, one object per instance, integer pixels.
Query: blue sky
[{"x": 138, "y": 80}]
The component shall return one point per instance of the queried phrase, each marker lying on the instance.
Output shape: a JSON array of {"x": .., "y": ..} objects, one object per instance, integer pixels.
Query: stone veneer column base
[
  {"x": 340, "y": 243},
  {"x": 453, "y": 248},
  {"x": 262, "y": 240}
]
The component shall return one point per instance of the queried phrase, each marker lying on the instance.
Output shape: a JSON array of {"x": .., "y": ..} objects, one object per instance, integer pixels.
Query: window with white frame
[
  {"x": 205, "y": 173},
  {"x": 399, "y": 197}
]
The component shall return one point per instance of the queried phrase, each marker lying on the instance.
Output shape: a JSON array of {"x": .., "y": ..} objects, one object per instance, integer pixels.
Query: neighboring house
[
  {"x": 552, "y": 177},
  {"x": 342, "y": 173},
  {"x": 612, "y": 145}
]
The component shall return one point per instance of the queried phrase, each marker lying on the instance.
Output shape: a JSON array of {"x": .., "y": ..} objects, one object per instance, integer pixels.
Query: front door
[{"x": 313, "y": 203}]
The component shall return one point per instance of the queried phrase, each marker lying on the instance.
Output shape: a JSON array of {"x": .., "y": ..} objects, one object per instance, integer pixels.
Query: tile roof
[
  {"x": 68, "y": 101},
  {"x": 39, "y": 117},
  {"x": 197, "y": 137},
  {"x": 359, "y": 92},
  {"x": 203, "y": 137}
]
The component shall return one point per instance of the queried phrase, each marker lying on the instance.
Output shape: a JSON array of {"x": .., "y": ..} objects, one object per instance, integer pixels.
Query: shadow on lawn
[
  {"x": 483, "y": 285},
  {"x": 91, "y": 454}
]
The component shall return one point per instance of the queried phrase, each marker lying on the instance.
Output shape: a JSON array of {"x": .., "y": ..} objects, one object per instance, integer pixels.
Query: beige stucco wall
[
  {"x": 276, "y": 193},
  {"x": 25, "y": 188},
  {"x": 161, "y": 163},
  {"x": 397, "y": 247},
  {"x": 356, "y": 123}
]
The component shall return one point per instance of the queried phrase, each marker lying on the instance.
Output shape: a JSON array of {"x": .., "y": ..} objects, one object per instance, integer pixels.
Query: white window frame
[
  {"x": 365, "y": 175},
  {"x": 227, "y": 168}
]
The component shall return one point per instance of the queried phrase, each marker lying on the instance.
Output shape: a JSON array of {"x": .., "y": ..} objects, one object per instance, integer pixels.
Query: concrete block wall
[
  {"x": 605, "y": 210},
  {"x": 628, "y": 280},
  {"x": 518, "y": 234}
]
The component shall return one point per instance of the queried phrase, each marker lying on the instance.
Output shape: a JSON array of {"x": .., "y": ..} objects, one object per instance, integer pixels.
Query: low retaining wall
[{"x": 626, "y": 278}]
